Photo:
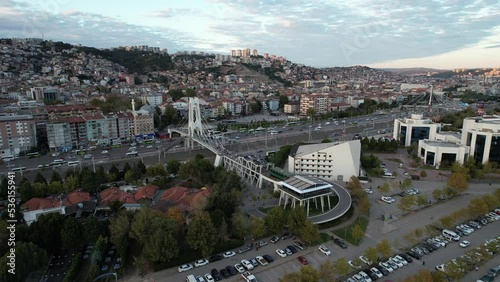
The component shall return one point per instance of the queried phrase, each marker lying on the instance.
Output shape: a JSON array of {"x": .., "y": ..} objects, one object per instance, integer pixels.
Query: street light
[{"x": 93, "y": 163}]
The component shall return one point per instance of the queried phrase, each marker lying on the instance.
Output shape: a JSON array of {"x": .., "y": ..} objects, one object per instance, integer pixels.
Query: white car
[
  {"x": 261, "y": 260},
  {"x": 149, "y": 146},
  {"x": 464, "y": 244},
  {"x": 228, "y": 254},
  {"x": 185, "y": 267},
  {"x": 247, "y": 264},
  {"x": 401, "y": 259},
  {"x": 368, "y": 191},
  {"x": 386, "y": 267},
  {"x": 200, "y": 262},
  {"x": 365, "y": 260},
  {"x": 55, "y": 154},
  {"x": 209, "y": 278},
  {"x": 397, "y": 262},
  {"x": 353, "y": 265},
  {"x": 105, "y": 152},
  {"x": 239, "y": 268},
  {"x": 377, "y": 272},
  {"x": 388, "y": 200},
  {"x": 365, "y": 276},
  {"x": 324, "y": 250},
  {"x": 281, "y": 253}
]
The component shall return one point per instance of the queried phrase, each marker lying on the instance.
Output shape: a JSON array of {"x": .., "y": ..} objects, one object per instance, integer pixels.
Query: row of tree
[{"x": 380, "y": 145}]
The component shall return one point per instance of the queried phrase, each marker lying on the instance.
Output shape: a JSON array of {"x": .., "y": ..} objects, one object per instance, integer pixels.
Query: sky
[{"x": 441, "y": 34}]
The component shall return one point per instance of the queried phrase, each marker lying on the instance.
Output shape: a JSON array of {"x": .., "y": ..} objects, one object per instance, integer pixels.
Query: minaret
[{"x": 133, "y": 106}]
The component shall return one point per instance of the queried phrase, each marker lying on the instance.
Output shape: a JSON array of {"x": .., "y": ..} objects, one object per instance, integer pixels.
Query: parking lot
[{"x": 58, "y": 266}]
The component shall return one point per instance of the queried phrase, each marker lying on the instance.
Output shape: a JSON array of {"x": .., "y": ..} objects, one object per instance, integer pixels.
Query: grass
[
  {"x": 346, "y": 232},
  {"x": 338, "y": 221},
  {"x": 323, "y": 238},
  {"x": 312, "y": 210},
  {"x": 373, "y": 172}
]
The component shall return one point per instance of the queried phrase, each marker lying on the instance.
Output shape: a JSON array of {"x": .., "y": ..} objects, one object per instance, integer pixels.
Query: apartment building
[
  {"x": 44, "y": 93},
  {"x": 59, "y": 135},
  {"x": 65, "y": 111},
  {"x": 17, "y": 134},
  {"x": 320, "y": 103},
  {"x": 97, "y": 128},
  {"x": 291, "y": 108},
  {"x": 152, "y": 99},
  {"x": 142, "y": 123}
]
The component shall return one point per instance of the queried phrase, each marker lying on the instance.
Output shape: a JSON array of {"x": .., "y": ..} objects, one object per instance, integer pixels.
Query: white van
[
  {"x": 388, "y": 175},
  {"x": 451, "y": 235}
]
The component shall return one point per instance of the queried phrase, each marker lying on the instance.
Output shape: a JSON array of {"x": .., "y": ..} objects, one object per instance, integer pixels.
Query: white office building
[
  {"x": 482, "y": 135},
  {"x": 330, "y": 161},
  {"x": 411, "y": 130}
]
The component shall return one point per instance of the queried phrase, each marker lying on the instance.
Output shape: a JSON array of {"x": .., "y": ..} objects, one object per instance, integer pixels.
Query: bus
[
  {"x": 33, "y": 155},
  {"x": 291, "y": 123},
  {"x": 73, "y": 163},
  {"x": 80, "y": 152},
  {"x": 131, "y": 154},
  {"x": 279, "y": 173},
  {"x": 148, "y": 142},
  {"x": 20, "y": 168}
]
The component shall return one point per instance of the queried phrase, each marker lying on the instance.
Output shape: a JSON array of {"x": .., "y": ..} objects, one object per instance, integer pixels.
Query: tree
[
  {"x": 326, "y": 140},
  {"x": 447, "y": 221},
  {"x": 423, "y": 173},
  {"x": 46, "y": 232},
  {"x": 201, "y": 234},
  {"x": 173, "y": 166},
  {"x": 175, "y": 214},
  {"x": 421, "y": 200},
  {"x": 371, "y": 254},
  {"x": 406, "y": 203},
  {"x": 310, "y": 112},
  {"x": 141, "y": 225},
  {"x": 27, "y": 191},
  {"x": 39, "y": 178},
  {"x": 458, "y": 182},
  {"x": 406, "y": 183},
  {"x": 354, "y": 186},
  {"x": 257, "y": 227},
  {"x": 155, "y": 170},
  {"x": 71, "y": 183},
  {"x": 364, "y": 205},
  {"x": 384, "y": 248},
  {"x": 291, "y": 277},
  {"x": 296, "y": 219},
  {"x": 114, "y": 173},
  {"x": 341, "y": 266},
  {"x": 119, "y": 229},
  {"x": 437, "y": 194},
  {"x": 55, "y": 177},
  {"x": 384, "y": 188},
  {"x": 275, "y": 219},
  {"x": 71, "y": 234},
  {"x": 141, "y": 167},
  {"x": 115, "y": 206},
  {"x": 309, "y": 232},
  {"x": 357, "y": 233},
  {"x": 29, "y": 258},
  {"x": 491, "y": 201},
  {"x": 477, "y": 207},
  {"x": 238, "y": 228},
  {"x": 283, "y": 100},
  {"x": 130, "y": 176},
  {"x": 94, "y": 229},
  {"x": 161, "y": 246},
  {"x": 326, "y": 272},
  {"x": 309, "y": 274}
]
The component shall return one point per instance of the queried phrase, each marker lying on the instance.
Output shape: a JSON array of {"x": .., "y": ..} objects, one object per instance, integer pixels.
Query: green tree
[
  {"x": 114, "y": 173},
  {"x": 364, "y": 205},
  {"x": 423, "y": 173},
  {"x": 341, "y": 266},
  {"x": 310, "y": 112},
  {"x": 406, "y": 183},
  {"x": 55, "y": 177},
  {"x": 326, "y": 140},
  {"x": 280, "y": 157},
  {"x": 238, "y": 227},
  {"x": 357, "y": 233},
  {"x": 276, "y": 219},
  {"x": 384, "y": 188},
  {"x": 477, "y": 207},
  {"x": 170, "y": 116},
  {"x": 27, "y": 191},
  {"x": 437, "y": 194},
  {"x": 326, "y": 272},
  {"x": 384, "y": 248},
  {"x": 161, "y": 246},
  {"x": 130, "y": 176},
  {"x": 29, "y": 258},
  {"x": 257, "y": 227},
  {"x": 309, "y": 274},
  {"x": 354, "y": 187},
  {"x": 173, "y": 166},
  {"x": 94, "y": 229},
  {"x": 491, "y": 201},
  {"x": 291, "y": 277},
  {"x": 458, "y": 182},
  {"x": 71, "y": 234},
  {"x": 309, "y": 232},
  {"x": 46, "y": 232},
  {"x": 421, "y": 200},
  {"x": 39, "y": 178},
  {"x": 283, "y": 100},
  {"x": 296, "y": 219},
  {"x": 371, "y": 254},
  {"x": 119, "y": 229},
  {"x": 155, "y": 170},
  {"x": 447, "y": 221},
  {"x": 201, "y": 234},
  {"x": 71, "y": 183},
  {"x": 141, "y": 167},
  {"x": 406, "y": 203}
]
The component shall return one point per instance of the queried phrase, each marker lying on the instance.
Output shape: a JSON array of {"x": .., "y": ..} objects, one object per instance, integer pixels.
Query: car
[
  {"x": 200, "y": 279},
  {"x": 368, "y": 191},
  {"x": 354, "y": 265},
  {"x": 228, "y": 254},
  {"x": 215, "y": 258},
  {"x": 396, "y": 261},
  {"x": 149, "y": 146},
  {"x": 216, "y": 274},
  {"x": 324, "y": 250},
  {"x": 357, "y": 277},
  {"x": 209, "y": 278},
  {"x": 286, "y": 235},
  {"x": 104, "y": 268},
  {"x": 486, "y": 278},
  {"x": 200, "y": 262},
  {"x": 464, "y": 244},
  {"x": 392, "y": 264},
  {"x": 299, "y": 245},
  {"x": 231, "y": 270},
  {"x": 406, "y": 257},
  {"x": 341, "y": 243},
  {"x": 292, "y": 248},
  {"x": 275, "y": 239},
  {"x": 185, "y": 267},
  {"x": 386, "y": 267},
  {"x": 224, "y": 273},
  {"x": 440, "y": 267},
  {"x": 281, "y": 253},
  {"x": 254, "y": 262},
  {"x": 365, "y": 260},
  {"x": 302, "y": 260},
  {"x": 288, "y": 251},
  {"x": 261, "y": 260},
  {"x": 377, "y": 272},
  {"x": 105, "y": 152},
  {"x": 244, "y": 249},
  {"x": 55, "y": 154},
  {"x": 262, "y": 243},
  {"x": 387, "y": 199},
  {"x": 384, "y": 271},
  {"x": 239, "y": 268},
  {"x": 268, "y": 258},
  {"x": 247, "y": 264},
  {"x": 365, "y": 276}
]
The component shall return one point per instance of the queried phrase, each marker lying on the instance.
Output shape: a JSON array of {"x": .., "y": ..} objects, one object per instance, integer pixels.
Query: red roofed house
[
  {"x": 129, "y": 198},
  {"x": 184, "y": 198},
  {"x": 74, "y": 203}
]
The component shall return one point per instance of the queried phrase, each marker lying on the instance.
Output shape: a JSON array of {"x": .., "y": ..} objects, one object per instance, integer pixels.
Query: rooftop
[
  {"x": 305, "y": 182},
  {"x": 442, "y": 144}
]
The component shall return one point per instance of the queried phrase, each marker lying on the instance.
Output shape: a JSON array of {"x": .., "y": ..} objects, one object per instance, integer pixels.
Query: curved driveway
[{"x": 343, "y": 205}]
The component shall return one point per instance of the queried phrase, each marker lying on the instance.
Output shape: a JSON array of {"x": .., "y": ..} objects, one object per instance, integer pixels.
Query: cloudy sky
[{"x": 380, "y": 33}]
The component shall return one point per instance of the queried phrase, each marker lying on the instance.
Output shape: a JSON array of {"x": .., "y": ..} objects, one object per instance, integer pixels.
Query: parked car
[
  {"x": 231, "y": 270},
  {"x": 281, "y": 253},
  {"x": 215, "y": 258},
  {"x": 302, "y": 260},
  {"x": 261, "y": 260},
  {"x": 275, "y": 239},
  {"x": 387, "y": 199},
  {"x": 247, "y": 264},
  {"x": 286, "y": 235},
  {"x": 185, "y": 267},
  {"x": 229, "y": 254},
  {"x": 341, "y": 243},
  {"x": 216, "y": 274},
  {"x": 324, "y": 250},
  {"x": 239, "y": 268},
  {"x": 268, "y": 258},
  {"x": 200, "y": 262}
]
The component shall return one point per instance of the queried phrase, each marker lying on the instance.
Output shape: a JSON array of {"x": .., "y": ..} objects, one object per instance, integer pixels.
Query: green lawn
[
  {"x": 338, "y": 221},
  {"x": 346, "y": 232}
]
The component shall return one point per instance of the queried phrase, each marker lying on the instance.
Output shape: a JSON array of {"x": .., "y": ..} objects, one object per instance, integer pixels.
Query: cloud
[{"x": 169, "y": 13}]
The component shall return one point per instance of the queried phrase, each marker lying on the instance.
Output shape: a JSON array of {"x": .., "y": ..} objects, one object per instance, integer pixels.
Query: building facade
[
  {"x": 320, "y": 103},
  {"x": 17, "y": 134},
  {"x": 330, "y": 161},
  {"x": 411, "y": 130},
  {"x": 482, "y": 135}
]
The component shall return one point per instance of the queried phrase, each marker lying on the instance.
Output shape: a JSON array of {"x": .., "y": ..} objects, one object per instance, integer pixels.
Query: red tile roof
[
  {"x": 146, "y": 192},
  {"x": 114, "y": 193},
  {"x": 186, "y": 199},
  {"x": 42, "y": 203},
  {"x": 75, "y": 198}
]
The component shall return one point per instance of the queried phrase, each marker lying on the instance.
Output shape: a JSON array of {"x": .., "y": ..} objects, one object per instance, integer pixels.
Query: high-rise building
[
  {"x": 17, "y": 134},
  {"x": 320, "y": 103},
  {"x": 255, "y": 53},
  {"x": 233, "y": 53},
  {"x": 238, "y": 53},
  {"x": 44, "y": 93}
]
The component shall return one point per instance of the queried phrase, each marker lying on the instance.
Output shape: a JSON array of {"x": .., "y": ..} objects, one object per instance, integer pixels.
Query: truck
[{"x": 249, "y": 277}]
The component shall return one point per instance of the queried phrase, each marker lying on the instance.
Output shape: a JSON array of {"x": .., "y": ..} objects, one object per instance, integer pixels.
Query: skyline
[{"x": 443, "y": 34}]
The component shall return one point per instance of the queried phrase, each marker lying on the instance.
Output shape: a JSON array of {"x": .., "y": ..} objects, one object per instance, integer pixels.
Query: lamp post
[{"x": 93, "y": 163}]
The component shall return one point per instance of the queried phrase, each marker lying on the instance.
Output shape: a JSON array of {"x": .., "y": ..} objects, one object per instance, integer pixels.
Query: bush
[
  {"x": 74, "y": 268},
  {"x": 423, "y": 173}
]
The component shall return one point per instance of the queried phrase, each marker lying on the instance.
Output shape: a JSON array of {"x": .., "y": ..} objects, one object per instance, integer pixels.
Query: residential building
[
  {"x": 64, "y": 111},
  {"x": 291, "y": 108},
  {"x": 44, "y": 93},
  {"x": 320, "y": 103},
  {"x": 411, "y": 130},
  {"x": 142, "y": 122},
  {"x": 152, "y": 99},
  {"x": 331, "y": 161},
  {"x": 59, "y": 135},
  {"x": 97, "y": 129},
  {"x": 17, "y": 134}
]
